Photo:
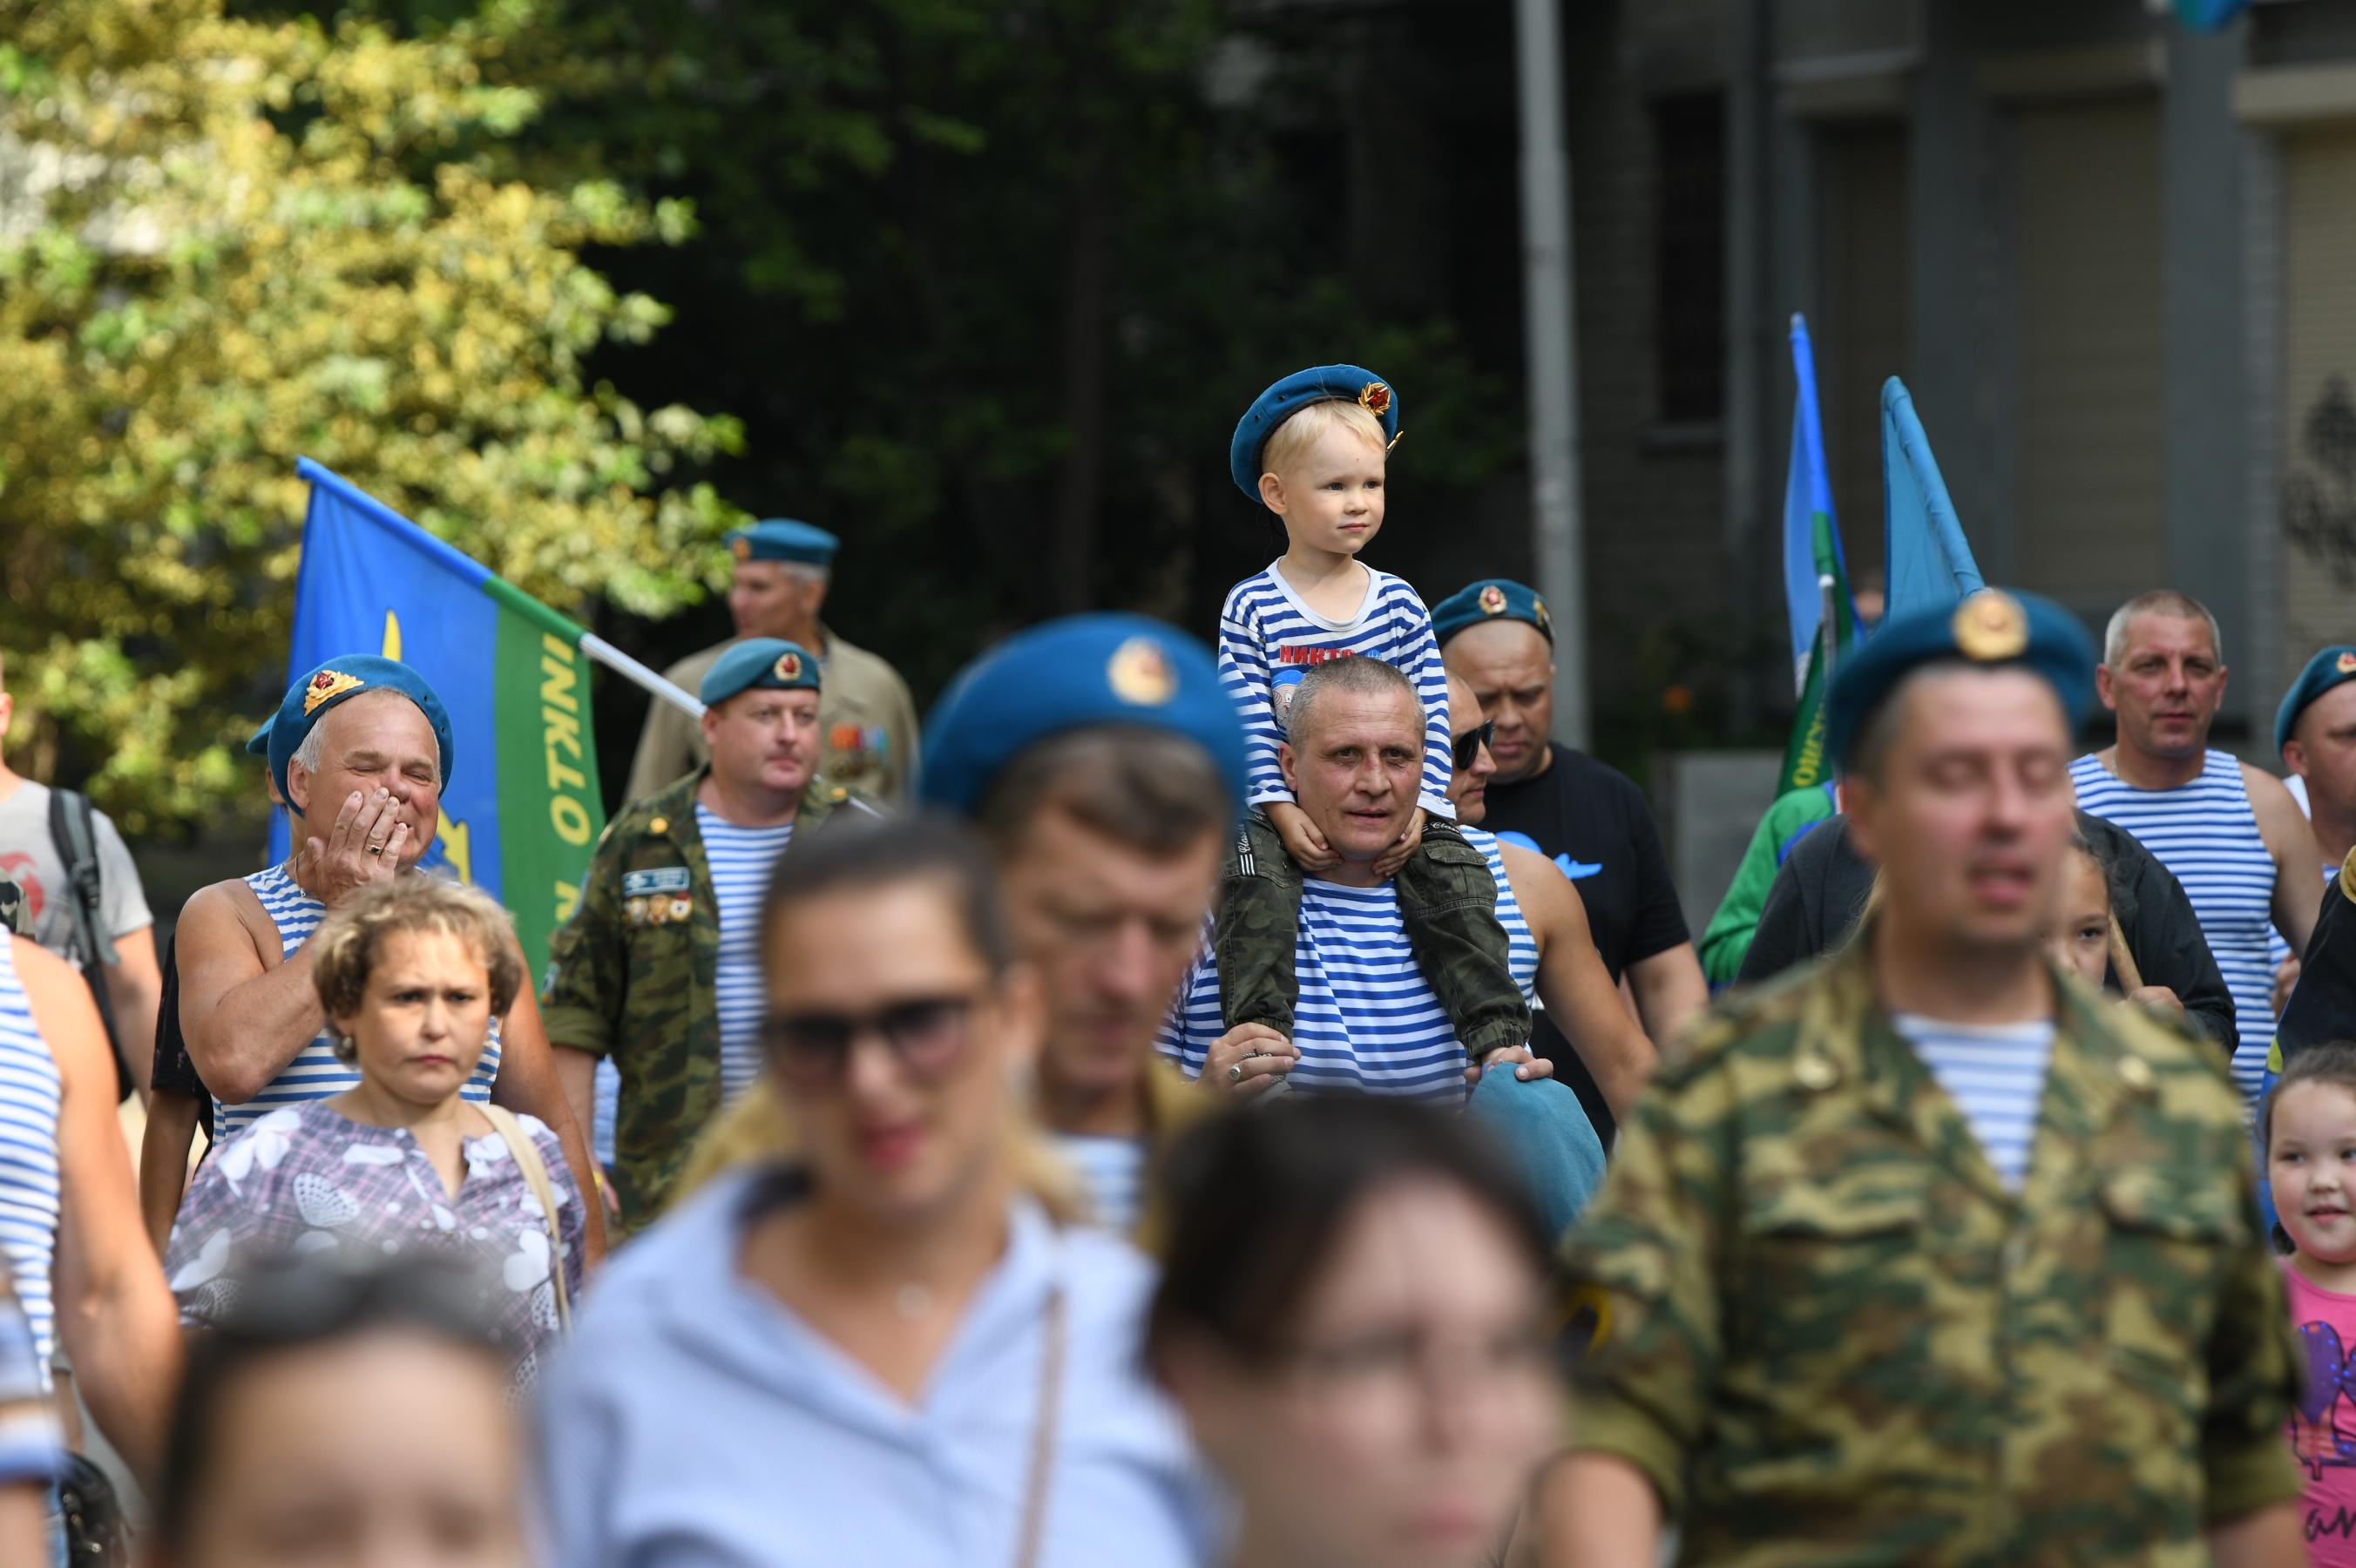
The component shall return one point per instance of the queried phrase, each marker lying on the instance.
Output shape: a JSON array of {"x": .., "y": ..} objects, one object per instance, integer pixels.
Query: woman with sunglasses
[
  {"x": 344, "y": 1414},
  {"x": 1352, "y": 1319},
  {"x": 411, "y": 972},
  {"x": 881, "y": 1345}
]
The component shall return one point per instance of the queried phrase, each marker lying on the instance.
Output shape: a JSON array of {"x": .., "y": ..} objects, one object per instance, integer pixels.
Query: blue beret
[
  {"x": 1067, "y": 675},
  {"x": 782, "y": 538},
  {"x": 770, "y": 662},
  {"x": 1491, "y": 599},
  {"x": 1992, "y": 626},
  {"x": 2327, "y": 670},
  {"x": 309, "y": 699},
  {"x": 1318, "y": 384}
]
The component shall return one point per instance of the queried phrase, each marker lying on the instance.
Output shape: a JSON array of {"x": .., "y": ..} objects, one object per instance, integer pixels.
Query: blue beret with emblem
[
  {"x": 782, "y": 538},
  {"x": 1491, "y": 599},
  {"x": 1993, "y": 627},
  {"x": 1318, "y": 384},
  {"x": 311, "y": 699},
  {"x": 770, "y": 663},
  {"x": 2332, "y": 666},
  {"x": 1074, "y": 674}
]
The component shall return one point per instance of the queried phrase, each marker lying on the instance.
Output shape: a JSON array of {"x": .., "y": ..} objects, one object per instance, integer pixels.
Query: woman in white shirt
[{"x": 881, "y": 1346}]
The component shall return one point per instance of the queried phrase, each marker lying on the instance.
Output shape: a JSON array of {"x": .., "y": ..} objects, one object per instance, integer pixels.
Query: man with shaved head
[{"x": 2230, "y": 832}]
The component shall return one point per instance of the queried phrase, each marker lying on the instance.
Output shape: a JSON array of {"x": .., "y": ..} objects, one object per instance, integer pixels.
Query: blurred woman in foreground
[
  {"x": 1352, "y": 1318},
  {"x": 884, "y": 1348},
  {"x": 336, "y": 1417}
]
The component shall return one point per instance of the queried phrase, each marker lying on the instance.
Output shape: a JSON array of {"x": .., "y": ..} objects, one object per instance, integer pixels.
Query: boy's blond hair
[{"x": 1297, "y": 434}]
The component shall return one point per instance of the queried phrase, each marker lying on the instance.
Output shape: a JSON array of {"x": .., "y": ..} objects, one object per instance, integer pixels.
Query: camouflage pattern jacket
[
  {"x": 634, "y": 975},
  {"x": 1830, "y": 1334}
]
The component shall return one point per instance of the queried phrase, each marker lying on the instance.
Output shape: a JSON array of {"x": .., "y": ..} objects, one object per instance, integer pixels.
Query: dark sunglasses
[
  {"x": 926, "y": 1034},
  {"x": 1469, "y": 744}
]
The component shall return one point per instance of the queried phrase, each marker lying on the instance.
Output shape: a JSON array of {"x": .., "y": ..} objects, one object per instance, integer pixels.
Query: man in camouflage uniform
[
  {"x": 1856, "y": 1305},
  {"x": 867, "y": 721},
  {"x": 637, "y": 973}
]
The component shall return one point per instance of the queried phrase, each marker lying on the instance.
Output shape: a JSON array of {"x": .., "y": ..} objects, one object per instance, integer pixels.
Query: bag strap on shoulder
[
  {"x": 75, "y": 833},
  {"x": 526, "y": 1153}
]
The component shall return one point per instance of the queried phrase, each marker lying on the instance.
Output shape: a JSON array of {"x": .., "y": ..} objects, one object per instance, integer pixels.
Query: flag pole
[
  {"x": 623, "y": 665},
  {"x": 1830, "y": 624}
]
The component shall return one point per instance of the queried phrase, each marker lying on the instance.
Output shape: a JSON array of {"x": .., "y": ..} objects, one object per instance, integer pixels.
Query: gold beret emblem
[
  {"x": 1540, "y": 606},
  {"x": 741, "y": 547},
  {"x": 1493, "y": 599},
  {"x": 1990, "y": 625},
  {"x": 326, "y": 686},
  {"x": 1140, "y": 673},
  {"x": 2346, "y": 663},
  {"x": 1375, "y": 399},
  {"x": 788, "y": 667}
]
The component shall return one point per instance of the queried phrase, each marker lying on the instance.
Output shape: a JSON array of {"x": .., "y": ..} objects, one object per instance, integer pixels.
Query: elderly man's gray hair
[
  {"x": 1358, "y": 677},
  {"x": 2159, "y": 602}
]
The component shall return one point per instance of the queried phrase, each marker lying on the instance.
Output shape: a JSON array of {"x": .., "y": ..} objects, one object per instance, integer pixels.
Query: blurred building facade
[{"x": 2114, "y": 260}]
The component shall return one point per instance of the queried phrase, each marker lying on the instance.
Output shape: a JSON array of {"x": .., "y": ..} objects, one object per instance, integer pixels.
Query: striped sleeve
[
  {"x": 1418, "y": 658},
  {"x": 1244, "y": 675},
  {"x": 1180, "y": 1036}
]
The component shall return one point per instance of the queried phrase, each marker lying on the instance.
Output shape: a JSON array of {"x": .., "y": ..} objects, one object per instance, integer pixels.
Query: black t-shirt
[{"x": 1592, "y": 821}]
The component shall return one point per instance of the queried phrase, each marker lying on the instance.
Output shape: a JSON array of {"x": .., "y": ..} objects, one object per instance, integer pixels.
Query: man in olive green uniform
[
  {"x": 867, "y": 721},
  {"x": 660, "y": 966},
  {"x": 1928, "y": 1254}
]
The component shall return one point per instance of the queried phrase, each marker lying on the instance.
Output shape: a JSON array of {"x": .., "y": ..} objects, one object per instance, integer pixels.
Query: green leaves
[{"x": 245, "y": 240}]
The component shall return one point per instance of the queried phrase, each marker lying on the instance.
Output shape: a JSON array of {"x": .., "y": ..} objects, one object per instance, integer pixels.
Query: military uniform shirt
[
  {"x": 1832, "y": 1334},
  {"x": 867, "y": 725}
]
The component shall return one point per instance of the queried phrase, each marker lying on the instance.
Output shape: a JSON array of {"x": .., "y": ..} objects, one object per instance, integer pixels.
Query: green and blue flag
[{"x": 522, "y": 809}]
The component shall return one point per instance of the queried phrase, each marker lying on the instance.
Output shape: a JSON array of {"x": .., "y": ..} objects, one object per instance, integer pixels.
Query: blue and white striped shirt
[
  {"x": 1111, "y": 1170},
  {"x": 2206, "y": 834},
  {"x": 314, "y": 1073},
  {"x": 1365, "y": 1019},
  {"x": 1996, "y": 1075},
  {"x": 31, "y": 1097},
  {"x": 1268, "y": 638},
  {"x": 741, "y": 859}
]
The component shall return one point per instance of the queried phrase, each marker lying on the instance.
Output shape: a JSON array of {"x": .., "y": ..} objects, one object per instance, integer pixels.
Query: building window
[{"x": 1689, "y": 255}]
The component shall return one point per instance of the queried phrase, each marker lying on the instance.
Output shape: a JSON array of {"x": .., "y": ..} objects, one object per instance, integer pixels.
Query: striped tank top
[
  {"x": 741, "y": 859},
  {"x": 30, "y": 1099},
  {"x": 2205, "y": 833},
  {"x": 1365, "y": 1018},
  {"x": 314, "y": 1073}
]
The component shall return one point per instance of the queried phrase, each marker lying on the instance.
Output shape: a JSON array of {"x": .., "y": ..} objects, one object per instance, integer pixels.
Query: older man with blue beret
[
  {"x": 867, "y": 720},
  {"x": 359, "y": 753},
  {"x": 1929, "y": 1255},
  {"x": 658, "y": 971}
]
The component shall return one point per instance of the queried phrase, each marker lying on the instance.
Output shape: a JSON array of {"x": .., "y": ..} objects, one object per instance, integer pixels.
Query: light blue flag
[{"x": 1929, "y": 564}]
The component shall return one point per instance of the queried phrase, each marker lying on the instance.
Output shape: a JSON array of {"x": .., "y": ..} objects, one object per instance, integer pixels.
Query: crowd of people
[{"x": 1246, "y": 1100}]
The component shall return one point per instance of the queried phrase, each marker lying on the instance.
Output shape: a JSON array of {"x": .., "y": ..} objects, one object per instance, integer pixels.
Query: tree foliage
[{"x": 229, "y": 241}]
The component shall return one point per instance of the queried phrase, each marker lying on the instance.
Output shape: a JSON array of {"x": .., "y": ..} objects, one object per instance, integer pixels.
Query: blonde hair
[
  {"x": 1297, "y": 434},
  {"x": 345, "y": 947},
  {"x": 756, "y": 1130}
]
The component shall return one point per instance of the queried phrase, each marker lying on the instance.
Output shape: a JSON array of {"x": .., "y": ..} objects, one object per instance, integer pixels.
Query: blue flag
[
  {"x": 1929, "y": 564},
  {"x": 1809, "y": 522},
  {"x": 1812, "y": 552},
  {"x": 522, "y": 809}
]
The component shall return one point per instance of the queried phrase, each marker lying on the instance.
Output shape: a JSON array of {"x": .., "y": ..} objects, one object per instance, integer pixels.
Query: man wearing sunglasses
[
  {"x": 1586, "y": 816},
  {"x": 1574, "y": 988}
]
